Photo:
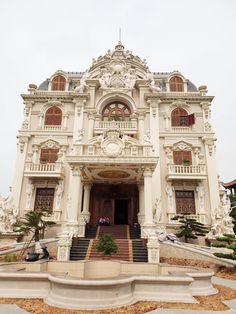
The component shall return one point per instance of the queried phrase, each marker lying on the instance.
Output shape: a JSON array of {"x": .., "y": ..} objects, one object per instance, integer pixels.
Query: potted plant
[
  {"x": 34, "y": 223},
  {"x": 107, "y": 245},
  {"x": 186, "y": 162}
]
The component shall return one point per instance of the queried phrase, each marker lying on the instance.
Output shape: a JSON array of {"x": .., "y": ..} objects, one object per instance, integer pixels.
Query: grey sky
[{"x": 195, "y": 37}]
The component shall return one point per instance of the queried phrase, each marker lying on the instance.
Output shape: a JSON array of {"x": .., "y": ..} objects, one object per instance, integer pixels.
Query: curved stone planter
[{"x": 103, "y": 284}]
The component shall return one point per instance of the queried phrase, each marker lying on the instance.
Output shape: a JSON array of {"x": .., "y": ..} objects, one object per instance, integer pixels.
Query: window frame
[{"x": 58, "y": 83}]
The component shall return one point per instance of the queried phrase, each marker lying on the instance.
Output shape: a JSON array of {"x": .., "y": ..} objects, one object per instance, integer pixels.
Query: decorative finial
[{"x": 119, "y": 34}]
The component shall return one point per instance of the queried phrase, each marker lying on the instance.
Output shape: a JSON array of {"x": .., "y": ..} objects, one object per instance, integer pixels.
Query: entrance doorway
[{"x": 121, "y": 212}]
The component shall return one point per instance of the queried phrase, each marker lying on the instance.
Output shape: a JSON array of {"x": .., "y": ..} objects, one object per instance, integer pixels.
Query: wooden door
[{"x": 107, "y": 209}]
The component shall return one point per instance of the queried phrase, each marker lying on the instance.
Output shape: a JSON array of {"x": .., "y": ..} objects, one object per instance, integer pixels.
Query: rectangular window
[
  {"x": 48, "y": 156},
  {"x": 182, "y": 157},
  {"x": 44, "y": 199},
  {"x": 185, "y": 203}
]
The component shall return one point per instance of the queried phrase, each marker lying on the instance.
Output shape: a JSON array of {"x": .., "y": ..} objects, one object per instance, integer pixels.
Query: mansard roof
[{"x": 119, "y": 61}]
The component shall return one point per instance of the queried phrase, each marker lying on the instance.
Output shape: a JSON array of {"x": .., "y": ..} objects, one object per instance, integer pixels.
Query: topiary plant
[{"x": 107, "y": 245}]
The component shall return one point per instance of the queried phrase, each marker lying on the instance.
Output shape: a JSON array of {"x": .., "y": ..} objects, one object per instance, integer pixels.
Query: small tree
[
  {"x": 107, "y": 245},
  {"x": 34, "y": 223},
  {"x": 190, "y": 228}
]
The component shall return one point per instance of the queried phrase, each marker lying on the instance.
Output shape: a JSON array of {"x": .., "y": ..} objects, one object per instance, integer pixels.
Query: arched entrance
[{"x": 118, "y": 202}]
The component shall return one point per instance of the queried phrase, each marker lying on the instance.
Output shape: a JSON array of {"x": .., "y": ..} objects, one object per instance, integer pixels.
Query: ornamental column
[
  {"x": 91, "y": 119},
  {"x": 74, "y": 199},
  {"x": 78, "y": 118},
  {"x": 141, "y": 203},
  {"x": 141, "y": 126},
  {"x": 85, "y": 212},
  {"x": 147, "y": 174}
]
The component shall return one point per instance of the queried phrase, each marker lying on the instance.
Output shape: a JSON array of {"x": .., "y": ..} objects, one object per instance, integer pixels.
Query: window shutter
[{"x": 191, "y": 119}]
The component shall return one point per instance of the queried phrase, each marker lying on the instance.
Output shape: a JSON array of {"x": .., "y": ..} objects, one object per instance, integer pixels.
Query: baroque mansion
[{"x": 118, "y": 141}]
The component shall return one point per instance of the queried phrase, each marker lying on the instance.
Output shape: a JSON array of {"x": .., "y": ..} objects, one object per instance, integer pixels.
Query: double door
[{"x": 117, "y": 210}]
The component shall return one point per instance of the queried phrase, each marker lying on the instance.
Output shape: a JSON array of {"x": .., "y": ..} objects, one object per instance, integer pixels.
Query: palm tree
[{"x": 33, "y": 222}]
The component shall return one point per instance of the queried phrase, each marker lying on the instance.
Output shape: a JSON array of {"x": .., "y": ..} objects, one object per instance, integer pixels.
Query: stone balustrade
[
  {"x": 131, "y": 126},
  {"x": 184, "y": 172},
  {"x": 44, "y": 170}
]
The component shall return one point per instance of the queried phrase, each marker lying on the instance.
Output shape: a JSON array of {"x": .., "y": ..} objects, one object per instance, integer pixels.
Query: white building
[{"x": 117, "y": 140}]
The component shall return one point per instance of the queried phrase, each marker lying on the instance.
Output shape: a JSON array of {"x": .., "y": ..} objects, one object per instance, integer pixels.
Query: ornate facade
[{"x": 117, "y": 140}]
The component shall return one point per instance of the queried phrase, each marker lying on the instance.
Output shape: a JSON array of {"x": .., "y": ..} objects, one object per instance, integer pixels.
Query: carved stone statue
[
  {"x": 29, "y": 192},
  {"x": 105, "y": 80},
  {"x": 201, "y": 194},
  {"x": 170, "y": 196},
  {"x": 58, "y": 192},
  {"x": 147, "y": 137},
  {"x": 157, "y": 210},
  {"x": 129, "y": 78},
  {"x": 80, "y": 135},
  {"x": 82, "y": 86},
  {"x": 7, "y": 214},
  {"x": 154, "y": 87}
]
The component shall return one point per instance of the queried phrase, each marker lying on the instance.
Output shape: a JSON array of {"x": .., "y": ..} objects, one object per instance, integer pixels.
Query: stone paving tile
[
  {"x": 224, "y": 282},
  {"x": 11, "y": 309},
  {"x": 173, "y": 311}
]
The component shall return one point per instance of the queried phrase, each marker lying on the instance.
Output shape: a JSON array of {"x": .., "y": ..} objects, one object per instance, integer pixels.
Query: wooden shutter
[
  {"x": 53, "y": 116},
  {"x": 180, "y": 156},
  {"x": 191, "y": 119},
  {"x": 48, "y": 155}
]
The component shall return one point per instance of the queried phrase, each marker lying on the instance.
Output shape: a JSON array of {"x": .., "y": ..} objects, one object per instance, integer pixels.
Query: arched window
[
  {"x": 116, "y": 111},
  {"x": 179, "y": 117},
  {"x": 53, "y": 116},
  {"x": 59, "y": 83},
  {"x": 176, "y": 84}
]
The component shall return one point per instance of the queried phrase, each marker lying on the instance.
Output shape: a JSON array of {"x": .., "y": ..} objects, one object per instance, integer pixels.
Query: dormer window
[
  {"x": 59, "y": 83},
  {"x": 116, "y": 111},
  {"x": 180, "y": 117},
  {"x": 176, "y": 84},
  {"x": 53, "y": 116}
]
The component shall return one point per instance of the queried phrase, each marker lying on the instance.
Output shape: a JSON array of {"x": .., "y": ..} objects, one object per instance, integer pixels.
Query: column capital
[
  {"x": 147, "y": 171},
  {"x": 77, "y": 170},
  {"x": 87, "y": 185}
]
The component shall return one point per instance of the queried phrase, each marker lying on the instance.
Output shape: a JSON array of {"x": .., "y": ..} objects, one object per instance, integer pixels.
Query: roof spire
[{"x": 120, "y": 34}]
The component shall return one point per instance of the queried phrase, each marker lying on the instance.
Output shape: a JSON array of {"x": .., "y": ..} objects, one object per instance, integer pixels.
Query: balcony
[
  {"x": 186, "y": 172},
  {"x": 54, "y": 170},
  {"x": 129, "y": 127},
  {"x": 198, "y": 217}
]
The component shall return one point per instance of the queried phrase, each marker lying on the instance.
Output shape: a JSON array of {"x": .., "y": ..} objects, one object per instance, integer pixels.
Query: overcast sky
[{"x": 196, "y": 37}]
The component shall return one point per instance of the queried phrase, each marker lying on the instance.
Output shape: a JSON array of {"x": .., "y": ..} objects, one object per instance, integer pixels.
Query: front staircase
[{"x": 130, "y": 247}]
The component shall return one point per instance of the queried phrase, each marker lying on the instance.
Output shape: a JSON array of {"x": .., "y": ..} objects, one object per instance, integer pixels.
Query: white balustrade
[
  {"x": 52, "y": 128},
  {"x": 186, "y": 170},
  {"x": 123, "y": 125},
  {"x": 55, "y": 169},
  {"x": 181, "y": 129}
]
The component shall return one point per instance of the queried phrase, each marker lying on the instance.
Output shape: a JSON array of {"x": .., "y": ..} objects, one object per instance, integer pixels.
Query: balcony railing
[
  {"x": 44, "y": 170},
  {"x": 181, "y": 129},
  {"x": 52, "y": 128},
  {"x": 199, "y": 218},
  {"x": 184, "y": 172},
  {"x": 129, "y": 126}
]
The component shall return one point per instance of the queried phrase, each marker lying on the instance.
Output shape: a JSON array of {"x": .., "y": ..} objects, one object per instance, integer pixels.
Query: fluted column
[
  {"x": 85, "y": 212},
  {"x": 147, "y": 174}
]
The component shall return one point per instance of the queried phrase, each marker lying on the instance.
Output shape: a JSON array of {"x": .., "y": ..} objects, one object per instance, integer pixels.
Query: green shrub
[
  {"x": 218, "y": 244},
  {"x": 107, "y": 245},
  {"x": 9, "y": 258},
  {"x": 228, "y": 256},
  {"x": 225, "y": 239},
  {"x": 232, "y": 247}
]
